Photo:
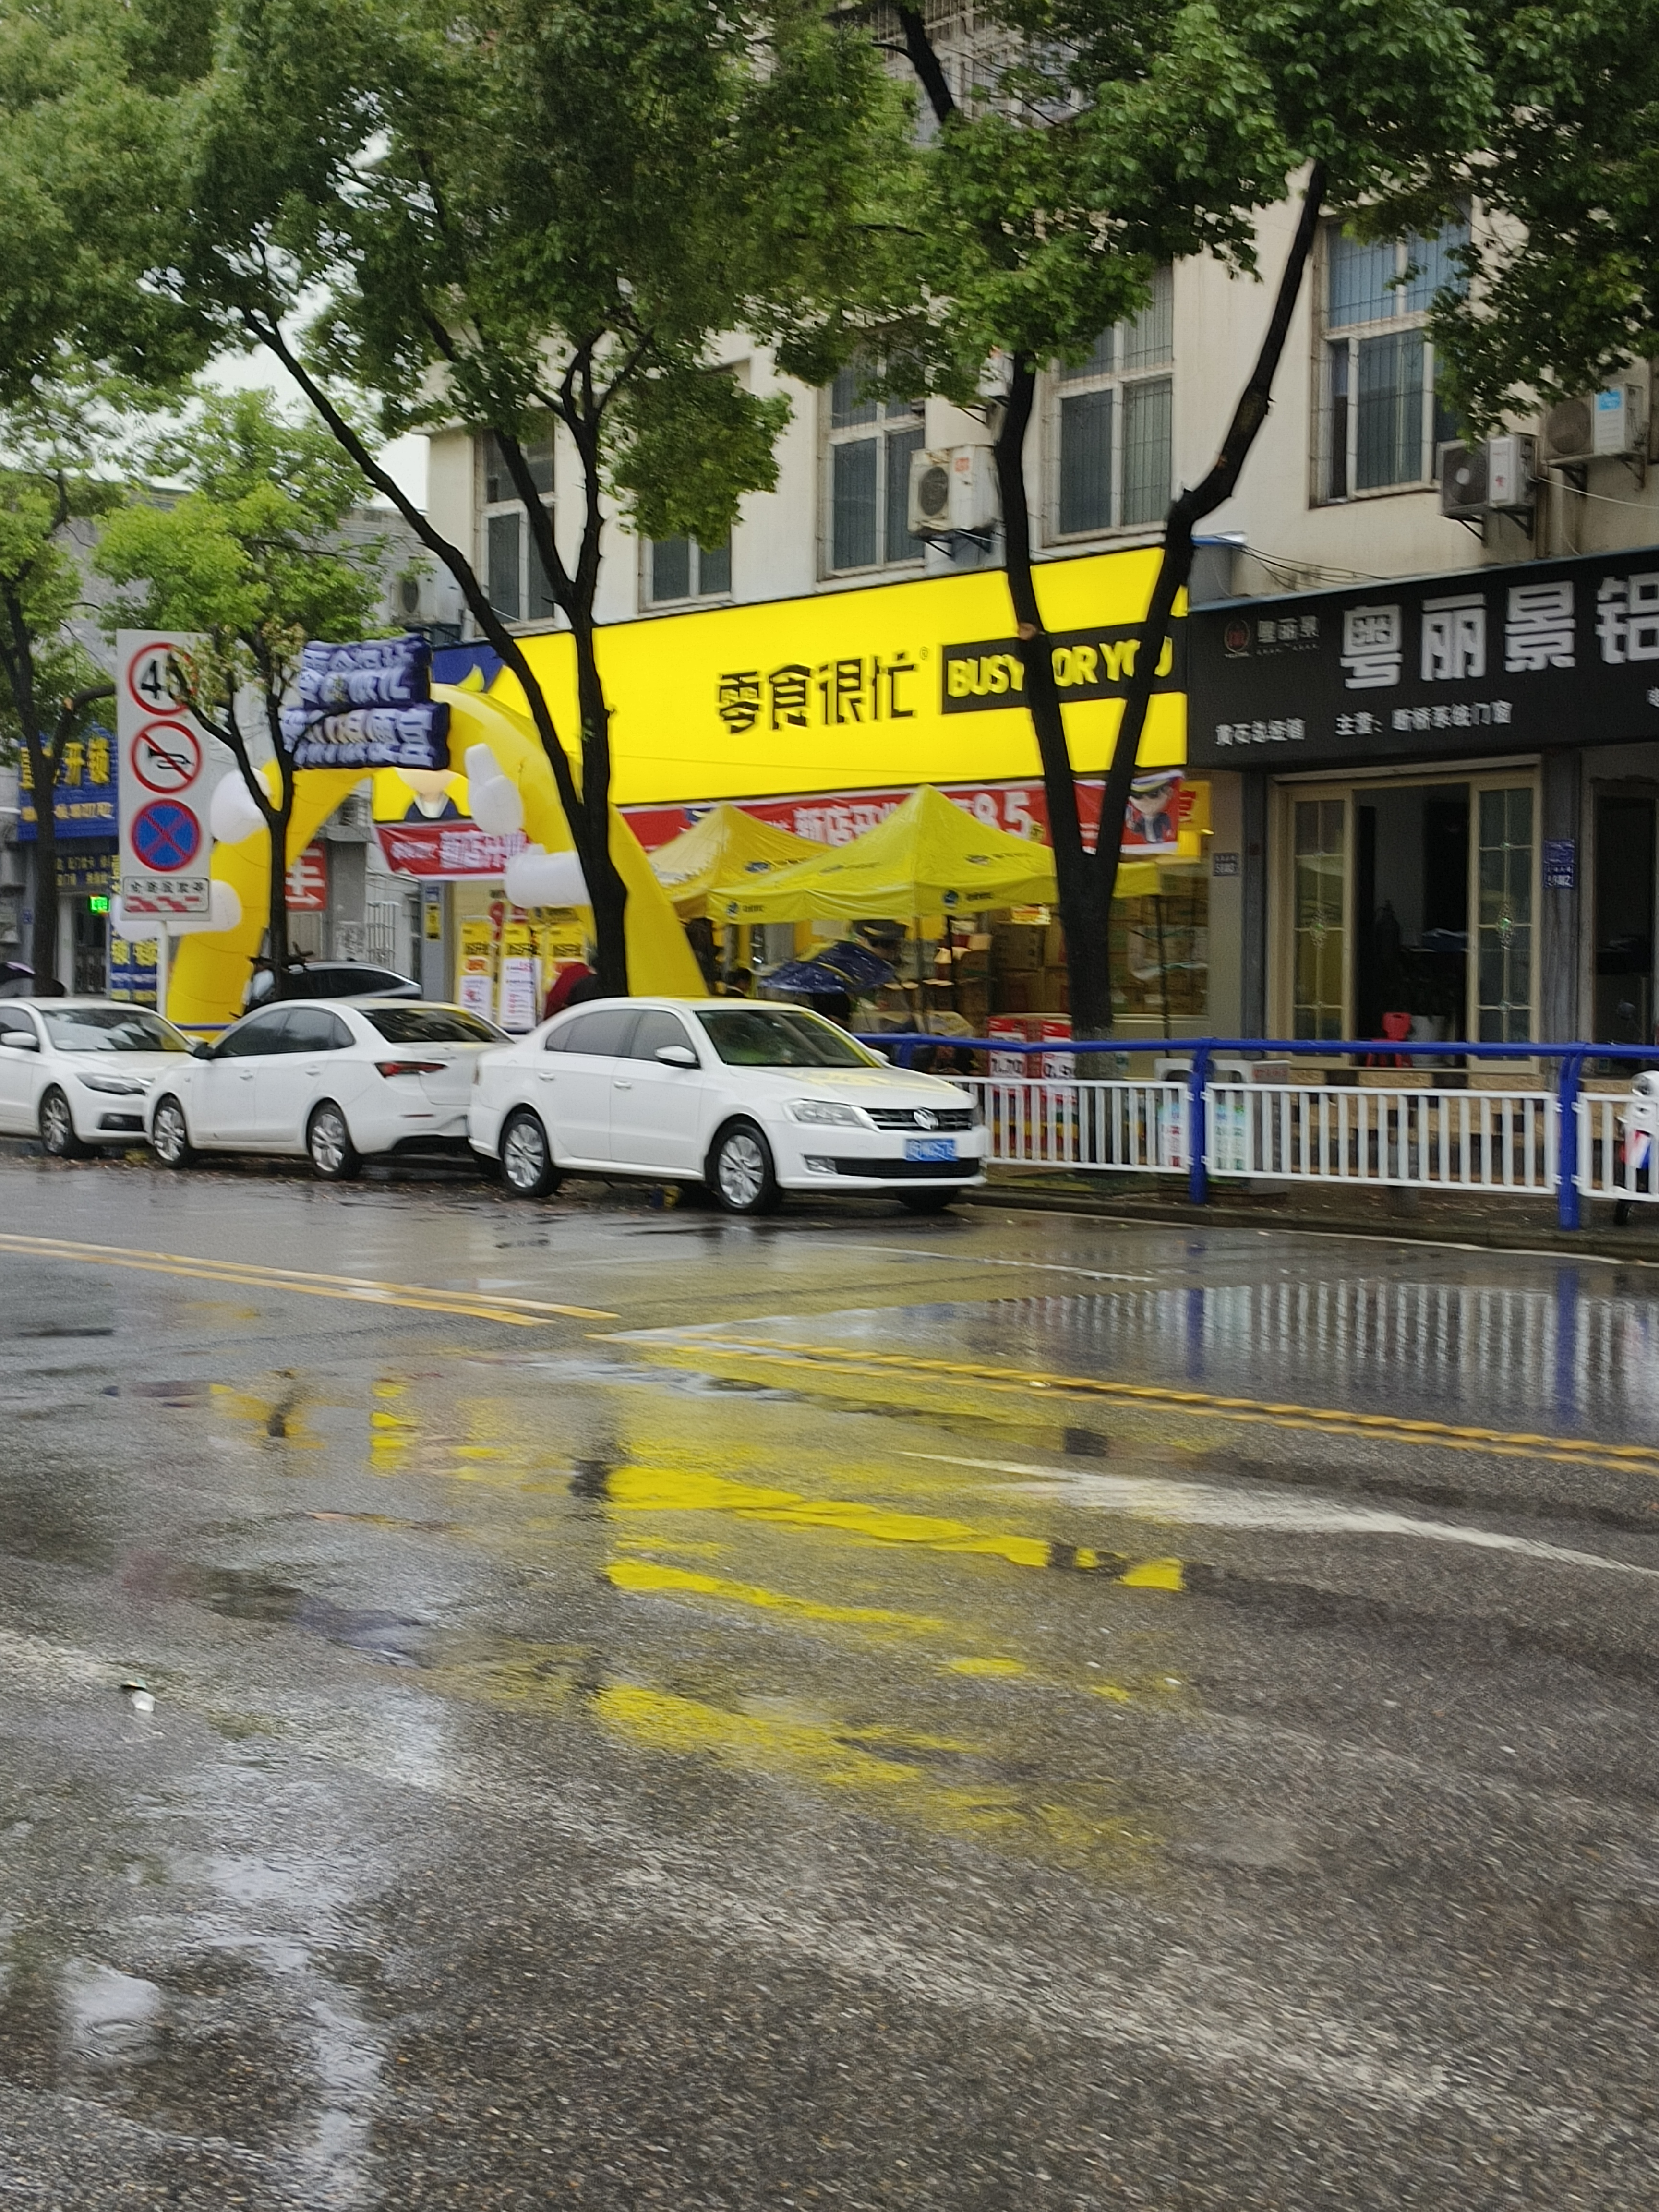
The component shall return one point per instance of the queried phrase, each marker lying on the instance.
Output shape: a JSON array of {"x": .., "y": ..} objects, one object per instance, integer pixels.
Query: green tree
[
  {"x": 1115, "y": 137},
  {"x": 251, "y": 559},
  {"x": 1563, "y": 257},
  {"x": 90, "y": 105},
  {"x": 49, "y": 683},
  {"x": 548, "y": 213}
]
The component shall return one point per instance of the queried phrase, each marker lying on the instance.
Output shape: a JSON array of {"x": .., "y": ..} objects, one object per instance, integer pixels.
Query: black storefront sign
[
  {"x": 1088, "y": 664},
  {"x": 1489, "y": 661}
]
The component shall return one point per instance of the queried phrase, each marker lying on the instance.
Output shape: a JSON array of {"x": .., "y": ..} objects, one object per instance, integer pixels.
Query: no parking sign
[{"x": 167, "y": 774}]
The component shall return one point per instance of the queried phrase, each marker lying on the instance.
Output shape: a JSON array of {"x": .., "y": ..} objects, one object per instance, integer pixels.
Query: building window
[
  {"x": 871, "y": 442},
  {"x": 1160, "y": 951},
  {"x": 513, "y": 576},
  {"x": 1381, "y": 421},
  {"x": 1114, "y": 424},
  {"x": 680, "y": 568}
]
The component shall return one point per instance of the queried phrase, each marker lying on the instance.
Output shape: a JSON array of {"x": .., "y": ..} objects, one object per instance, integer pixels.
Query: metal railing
[{"x": 1259, "y": 1123}]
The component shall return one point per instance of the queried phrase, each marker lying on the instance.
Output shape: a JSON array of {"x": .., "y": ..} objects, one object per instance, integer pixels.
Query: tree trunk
[
  {"x": 1081, "y": 913},
  {"x": 43, "y": 935},
  {"x": 1185, "y": 515},
  {"x": 18, "y": 651},
  {"x": 605, "y": 888},
  {"x": 594, "y": 863},
  {"x": 276, "y": 904}
]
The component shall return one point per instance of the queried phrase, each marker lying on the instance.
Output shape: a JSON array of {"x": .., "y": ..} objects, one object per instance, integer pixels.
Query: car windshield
[
  {"x": 432, "y": 1025},
  {"x": 781, "y": 1037},
  {"x": 110, "y": 1029}
]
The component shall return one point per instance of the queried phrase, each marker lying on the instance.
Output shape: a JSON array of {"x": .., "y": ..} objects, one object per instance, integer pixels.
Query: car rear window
[
  {"x": 414, "y": 1024},
  {"x": 350, "y": 982},
  {"x": 604, "y": 1033}
]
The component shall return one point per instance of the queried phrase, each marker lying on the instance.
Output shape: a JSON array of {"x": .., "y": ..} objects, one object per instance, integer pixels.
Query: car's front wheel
[
  {"x": 57, "y": 1136},
  {"x": 328, "y": 1140},
  {"x": 169, "y": 1135},
  {"x": 741, "y": 1175},
  {"x": 527, "y": 1165}
]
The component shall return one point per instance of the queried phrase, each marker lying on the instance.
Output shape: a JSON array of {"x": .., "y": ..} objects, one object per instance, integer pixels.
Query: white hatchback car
[
  {"x": 79, "y": 1073},
  {"x": 340, "y": 1083},
  {"x": 751, "y": 1099}
]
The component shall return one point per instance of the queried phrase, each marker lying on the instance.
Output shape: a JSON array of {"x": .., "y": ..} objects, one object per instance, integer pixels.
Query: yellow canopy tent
[
  {"x": 726, "y": 844},
  {"x": 929, "y": 857}
]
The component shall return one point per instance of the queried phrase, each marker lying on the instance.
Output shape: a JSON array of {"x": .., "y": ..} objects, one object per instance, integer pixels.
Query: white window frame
[
  {"x": 1399, "y": 319},
  {"x": 1137, "y": 335},
  {"x": 697, "y": 596},
  {"x": 891, "y": 418},
  {"x": 536, "y": 452}
]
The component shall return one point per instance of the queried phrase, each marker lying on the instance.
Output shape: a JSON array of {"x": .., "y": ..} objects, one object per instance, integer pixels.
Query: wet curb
[{"x": 1591, "y": 1243}]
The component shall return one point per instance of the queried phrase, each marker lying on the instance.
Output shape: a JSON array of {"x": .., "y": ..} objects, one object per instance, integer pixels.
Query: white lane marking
[{"x": 1204, "y": 1506}]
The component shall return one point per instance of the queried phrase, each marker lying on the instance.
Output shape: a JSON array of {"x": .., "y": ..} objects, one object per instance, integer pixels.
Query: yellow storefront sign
[{"x": 892, "y": 685}]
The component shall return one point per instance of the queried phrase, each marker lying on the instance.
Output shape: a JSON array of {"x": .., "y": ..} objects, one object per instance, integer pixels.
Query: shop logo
[{"x": 1235, "y": 638}]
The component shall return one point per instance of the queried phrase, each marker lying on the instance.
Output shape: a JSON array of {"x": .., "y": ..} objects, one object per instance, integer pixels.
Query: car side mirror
[
  {"x": 678, "y": 1055},
  {"x": 20, "y": 1040},
  {"x": 202, "y": 1050}
]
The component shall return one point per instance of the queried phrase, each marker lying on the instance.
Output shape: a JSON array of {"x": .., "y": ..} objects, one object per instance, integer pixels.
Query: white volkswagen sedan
[
  {"x": 341, "y": 1083},
  {"x": 80, "y": 1073},
  {"x": 751, "y": 1099}
]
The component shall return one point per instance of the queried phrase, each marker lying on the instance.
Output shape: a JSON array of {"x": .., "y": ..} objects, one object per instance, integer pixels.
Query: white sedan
[
  {"x": 751, "y": 1099},
  {"x": 338, "y": 1083},
  {"x": 80, "y": 1073}
]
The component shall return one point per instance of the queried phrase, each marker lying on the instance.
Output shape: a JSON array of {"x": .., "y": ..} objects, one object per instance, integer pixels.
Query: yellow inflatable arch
[{"x": 210, "y": 969}]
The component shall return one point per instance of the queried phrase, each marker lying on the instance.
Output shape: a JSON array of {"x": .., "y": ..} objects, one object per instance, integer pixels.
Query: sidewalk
[{"x": 1501, "y": 1224}]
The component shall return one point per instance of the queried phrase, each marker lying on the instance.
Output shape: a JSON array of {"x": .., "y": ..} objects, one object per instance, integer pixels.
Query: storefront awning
[{"x": 928, "y": 857}]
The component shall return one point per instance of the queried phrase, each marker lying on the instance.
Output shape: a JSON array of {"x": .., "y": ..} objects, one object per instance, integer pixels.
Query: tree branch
[
  {"x": 269, "y": 334},
  {"x": 925, "y": 61},
  {"x": 1211, "y": 492}
]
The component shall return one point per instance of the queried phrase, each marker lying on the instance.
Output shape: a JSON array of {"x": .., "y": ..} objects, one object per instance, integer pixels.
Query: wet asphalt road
[{"x": 1006, "y": 1712}]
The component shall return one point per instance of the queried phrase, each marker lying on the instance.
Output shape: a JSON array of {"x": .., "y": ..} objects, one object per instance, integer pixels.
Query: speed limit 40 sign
[{"x": 167, "y": 778}]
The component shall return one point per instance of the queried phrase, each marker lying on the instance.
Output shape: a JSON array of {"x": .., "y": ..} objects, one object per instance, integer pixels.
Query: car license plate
[{"x": 930, "y": 1148}]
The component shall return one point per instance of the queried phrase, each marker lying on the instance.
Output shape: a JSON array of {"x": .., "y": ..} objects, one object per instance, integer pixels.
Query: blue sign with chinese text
[{"x": 86, "y": 803}]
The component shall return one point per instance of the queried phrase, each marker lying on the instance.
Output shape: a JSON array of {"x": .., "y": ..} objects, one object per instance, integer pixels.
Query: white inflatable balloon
[
  {"x": 232, "y": 814},
  {"x": 535, "y": 878},
  {"x": 496, "y": 805}
]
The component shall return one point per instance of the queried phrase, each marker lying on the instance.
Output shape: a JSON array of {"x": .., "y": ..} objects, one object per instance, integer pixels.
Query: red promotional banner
[
  {"x": 446, "y": 852},
  {"x": 307, "y": 882},
  {"x": 1161, "y": 806}
]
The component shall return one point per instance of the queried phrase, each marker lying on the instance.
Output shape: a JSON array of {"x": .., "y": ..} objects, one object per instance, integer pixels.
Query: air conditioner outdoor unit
[
  {"x": 1494, "y": 477},
  {"x": 1606, "y": 425},
  {"x": 952, "y": 492}
]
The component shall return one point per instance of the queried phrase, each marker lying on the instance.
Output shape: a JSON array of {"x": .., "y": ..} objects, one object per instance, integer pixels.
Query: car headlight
[
  {"x": 114, "y": 1086},
  {"x": 821, "y": 1110}
]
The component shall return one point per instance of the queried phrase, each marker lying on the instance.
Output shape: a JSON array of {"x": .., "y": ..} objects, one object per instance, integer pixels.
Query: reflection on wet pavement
[{"x": 854, "y": 1728}]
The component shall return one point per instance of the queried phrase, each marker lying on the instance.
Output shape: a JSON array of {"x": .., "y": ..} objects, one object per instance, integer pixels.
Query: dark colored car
[{"x": 337, "y": 979}]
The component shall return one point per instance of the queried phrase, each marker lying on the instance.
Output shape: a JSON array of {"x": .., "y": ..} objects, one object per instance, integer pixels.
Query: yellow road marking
[
  {"x": 475, "y": 1305},
  {"x": 1331, "y": 1421}
]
